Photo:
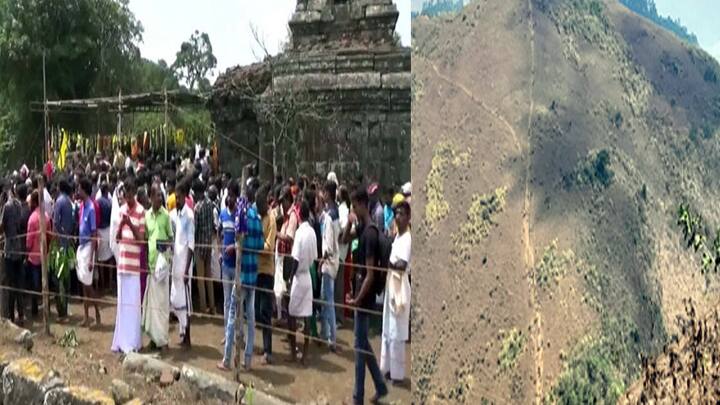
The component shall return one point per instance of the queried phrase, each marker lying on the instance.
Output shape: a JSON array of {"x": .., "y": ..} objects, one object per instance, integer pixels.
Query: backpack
[{"x": 382, "y": 260}]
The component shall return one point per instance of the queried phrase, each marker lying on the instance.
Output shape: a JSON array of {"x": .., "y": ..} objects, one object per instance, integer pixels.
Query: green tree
[
  {"x": 90, "y": 49},
  {"x": 195, "y": 60},
  {"x": 151, "y": 76}
]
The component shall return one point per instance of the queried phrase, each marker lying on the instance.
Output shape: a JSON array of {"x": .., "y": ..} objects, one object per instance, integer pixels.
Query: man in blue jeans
[
  {"x": 253, "y": 242},
  {"x": 330, "y": 231},
  {"x": 366, "y": 255},
  {"x": 227, "y": 235}
]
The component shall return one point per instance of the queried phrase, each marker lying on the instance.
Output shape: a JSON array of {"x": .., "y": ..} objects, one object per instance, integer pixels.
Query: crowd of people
[{"x": 300, "y": 246}]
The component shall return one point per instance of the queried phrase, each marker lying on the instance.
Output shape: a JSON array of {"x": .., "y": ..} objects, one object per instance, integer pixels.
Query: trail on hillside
[
  {"x": 529, "y": 254},
  {"x": 477, "y": 101}
]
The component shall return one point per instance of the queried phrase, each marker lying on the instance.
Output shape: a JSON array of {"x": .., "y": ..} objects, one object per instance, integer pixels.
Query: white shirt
[
  {"x": 330, "y": 249},
  {"x": 344, "y": 213},
  {"x": 304, "y": 248},
  {"x": 183, "y": 225},
  {"x": 401, "y": 250},
  {"x": 49, "y": 204}
]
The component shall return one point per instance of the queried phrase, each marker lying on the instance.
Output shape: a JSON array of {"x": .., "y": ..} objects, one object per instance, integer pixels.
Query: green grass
[
  {"x": 477, "y": 223},
  {"x": 444, "y": 158},
  {"x": 513, "y": 344},
  {"x": 589, "y": 378},
  {"x": 553, "y": 266}
]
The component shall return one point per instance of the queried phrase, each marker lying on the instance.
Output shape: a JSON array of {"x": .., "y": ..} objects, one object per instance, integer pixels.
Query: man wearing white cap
[{"x": 407, "y": 191}]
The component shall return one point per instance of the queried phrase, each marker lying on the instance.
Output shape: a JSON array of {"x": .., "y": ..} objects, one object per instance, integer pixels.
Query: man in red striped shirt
[{"x": 131, "y": 236}]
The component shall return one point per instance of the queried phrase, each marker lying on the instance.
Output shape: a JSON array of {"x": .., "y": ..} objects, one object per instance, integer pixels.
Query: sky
[
  {"x": 167, "y": 23},
  {"x": 702, "y": 17}
]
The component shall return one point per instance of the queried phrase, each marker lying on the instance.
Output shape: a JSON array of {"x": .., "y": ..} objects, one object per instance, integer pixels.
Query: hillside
[{"x": 555, "y": 140}]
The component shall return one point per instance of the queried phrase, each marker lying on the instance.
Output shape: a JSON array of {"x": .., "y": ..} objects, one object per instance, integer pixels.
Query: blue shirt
[
  {"x": 227, "y": 225},
  {"x": 253, "y": 243},
  {"x": 389, "y": 215},
  {"x": 105, "y": 210},
  {"x": 88, "y": 224},
  {"x": 63, "y": 219}
]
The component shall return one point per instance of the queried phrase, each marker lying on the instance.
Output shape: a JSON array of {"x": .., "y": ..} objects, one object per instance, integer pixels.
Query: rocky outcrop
[
  {"x": 211, "y": 386},
  {"x": 121, "y": 391},
  {"x": 26, "y": 381},
  {"x": 687, "y": 370},
  {"x": 148, "y": 366},
  {"x": 77, "y": 395}
]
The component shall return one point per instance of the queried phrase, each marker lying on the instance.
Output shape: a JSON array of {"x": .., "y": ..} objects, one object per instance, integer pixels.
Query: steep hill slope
[{"x": 555, "y": 140}]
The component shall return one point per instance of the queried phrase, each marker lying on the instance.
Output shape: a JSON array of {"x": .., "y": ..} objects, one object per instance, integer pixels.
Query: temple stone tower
[{"x": 338, "y": 98}]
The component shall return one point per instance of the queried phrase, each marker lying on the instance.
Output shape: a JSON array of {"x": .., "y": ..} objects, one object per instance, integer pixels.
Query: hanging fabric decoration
[
  {"x": 63, "y": 150},
  {"x": 145, "y": 142},
  {"x": 180, "y": 137}
]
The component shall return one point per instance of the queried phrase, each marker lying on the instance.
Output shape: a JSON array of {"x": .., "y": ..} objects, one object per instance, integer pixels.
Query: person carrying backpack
[{"x": 368, "y": 283}]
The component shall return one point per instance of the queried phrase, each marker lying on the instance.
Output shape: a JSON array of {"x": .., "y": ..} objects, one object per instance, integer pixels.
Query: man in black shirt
[
  {"x": 367, "y": 255},
  {"x": 11, "y": 227}
]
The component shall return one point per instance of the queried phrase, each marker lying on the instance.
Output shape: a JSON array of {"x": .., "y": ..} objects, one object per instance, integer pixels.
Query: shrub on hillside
[
  {"x": 513, "y": 345},
  {"x": 594, "y": 170}
]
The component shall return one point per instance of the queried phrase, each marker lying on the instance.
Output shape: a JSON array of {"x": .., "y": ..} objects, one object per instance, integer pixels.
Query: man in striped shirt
[{"x": 131, "y": 235}]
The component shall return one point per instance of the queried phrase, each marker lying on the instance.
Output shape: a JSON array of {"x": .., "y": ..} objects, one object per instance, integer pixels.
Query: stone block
[
  {"x": 255, "y": 397},
  {"x": 306, "y": 17},
  {"x": 11, "y": 333},
  {"x": 363, "y": 80},
  {"x": 397, "y": 81},
  {"x": 207, "y": 385},
  {"x": 317, "y": 5},
  {"x": 385, "y": 10},
  {"x": 77, "y": 395},
  {"x": 148, "y": 366},
  {"x": 393, "y": 62},
  {"x": 122, "y": 392},
  {"x": 354, "y": 63},
  {"x": 26, "y": 381}
]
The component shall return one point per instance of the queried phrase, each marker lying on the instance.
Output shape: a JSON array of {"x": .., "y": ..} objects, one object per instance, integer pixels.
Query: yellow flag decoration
[
  {"x": 180, "y": 137},
  {"x": 63, "y": 150}
]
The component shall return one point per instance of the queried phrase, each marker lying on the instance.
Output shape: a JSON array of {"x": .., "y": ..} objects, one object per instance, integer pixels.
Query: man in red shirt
[{"x": 32, "y": 243}]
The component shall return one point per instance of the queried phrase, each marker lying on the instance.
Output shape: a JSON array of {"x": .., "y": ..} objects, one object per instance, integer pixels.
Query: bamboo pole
[
  {"x": 44, "y": 256},
  {"x": 165, "y": 125},
  {"x": 45, "y": 150}
]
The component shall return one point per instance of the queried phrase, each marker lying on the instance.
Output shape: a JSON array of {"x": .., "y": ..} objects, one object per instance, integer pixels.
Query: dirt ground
[{"x": 329, "y": 376}]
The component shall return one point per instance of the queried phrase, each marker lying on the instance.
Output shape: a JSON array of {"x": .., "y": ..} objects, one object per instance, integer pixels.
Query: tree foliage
[
  {"x": 89, "y": 47},
  {"x": 91, "y": 50},
  {"x": 195, "y": 60},
  {"x": 647, "y": 9},
  {"x": 432, "y": 8}
]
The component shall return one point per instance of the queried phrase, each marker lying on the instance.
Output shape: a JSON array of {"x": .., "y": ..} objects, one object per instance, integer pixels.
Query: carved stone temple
[{"x": 338, "y": 98}]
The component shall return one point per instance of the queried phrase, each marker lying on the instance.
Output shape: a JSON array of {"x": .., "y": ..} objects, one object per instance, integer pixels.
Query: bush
[
  {"x": 590, "y": 378},
  {"x": 710, "y": 75},
  {"x": 594, "y": 170},
  {"x": 512, "y": 346}
]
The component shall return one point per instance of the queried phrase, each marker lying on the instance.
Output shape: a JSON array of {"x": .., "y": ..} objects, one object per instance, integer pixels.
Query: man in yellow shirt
[
  {"x": 171, "y": 194},
  {"x": 264, "y": 296}
]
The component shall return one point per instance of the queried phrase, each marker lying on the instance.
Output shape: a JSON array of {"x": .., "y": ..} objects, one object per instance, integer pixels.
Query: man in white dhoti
[
  {"x": 396, "y": 310},
  {"x": 304, "y": 253},
  {"x": 131, "y": 235},
  {"x": 156, "y": 311},
  {"x": 87, "y": 247},
  {"x": 183, "y": 222}
]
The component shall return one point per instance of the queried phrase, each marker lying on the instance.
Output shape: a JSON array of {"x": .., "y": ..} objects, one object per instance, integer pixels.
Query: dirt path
[
  {"x": 477, "y": 101},
  {"x": 328, "y": 375},
  {"x": 529, "y": 252}
]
